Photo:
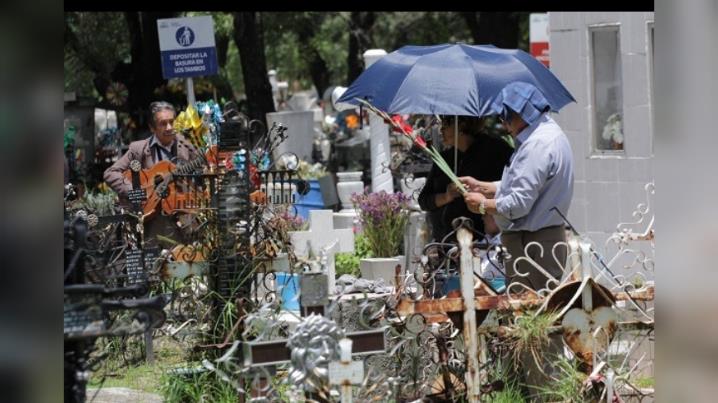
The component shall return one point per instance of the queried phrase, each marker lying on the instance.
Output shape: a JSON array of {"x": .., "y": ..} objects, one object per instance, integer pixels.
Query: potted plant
[{"x": 383, "y": 218}]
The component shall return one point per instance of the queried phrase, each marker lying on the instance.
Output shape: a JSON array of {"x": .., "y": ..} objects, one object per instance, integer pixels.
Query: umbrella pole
[{"x": 456, "y": 143}]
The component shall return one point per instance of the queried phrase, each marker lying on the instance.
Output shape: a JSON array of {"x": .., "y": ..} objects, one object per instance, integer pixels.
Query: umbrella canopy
[{"x": 455, "y": 79}]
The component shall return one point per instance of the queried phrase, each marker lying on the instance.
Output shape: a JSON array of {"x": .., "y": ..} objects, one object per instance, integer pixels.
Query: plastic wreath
[{"x": 191, "y": 125}]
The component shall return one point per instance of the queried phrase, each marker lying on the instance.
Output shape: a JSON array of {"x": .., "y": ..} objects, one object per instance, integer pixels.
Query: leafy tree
[
  {"x": 501, "y": 29},
  {"x": 115, "y": 48},
  {"x": 306, "y": 48}
]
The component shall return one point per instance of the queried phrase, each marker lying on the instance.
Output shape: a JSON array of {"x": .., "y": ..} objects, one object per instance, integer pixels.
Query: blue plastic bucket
[
  {"x": 451, "y": 282},
  {"x": 288, "y": 290},
  {"x": 498, "y": 284},
  {"x": 311, "y": 201}
]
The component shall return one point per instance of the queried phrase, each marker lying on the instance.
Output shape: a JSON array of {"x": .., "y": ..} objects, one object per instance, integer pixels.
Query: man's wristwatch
[{"x": 482, "y": 207}]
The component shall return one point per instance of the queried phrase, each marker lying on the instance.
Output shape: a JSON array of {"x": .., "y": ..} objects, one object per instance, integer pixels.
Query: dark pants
[
  {"x": 516, "y": 242},
  {"x": 537, "y": 374}
]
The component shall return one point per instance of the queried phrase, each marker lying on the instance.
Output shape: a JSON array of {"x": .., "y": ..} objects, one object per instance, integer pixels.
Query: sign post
[
  {"x": 187, "y": 48},
  {"x": 538, "y": 37}
]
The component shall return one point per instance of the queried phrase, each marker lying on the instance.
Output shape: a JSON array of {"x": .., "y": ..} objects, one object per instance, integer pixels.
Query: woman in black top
[{"x": 479, "y": 156}]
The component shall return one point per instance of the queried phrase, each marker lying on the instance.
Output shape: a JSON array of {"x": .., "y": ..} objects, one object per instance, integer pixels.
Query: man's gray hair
[{"x": 158, "y": 106}]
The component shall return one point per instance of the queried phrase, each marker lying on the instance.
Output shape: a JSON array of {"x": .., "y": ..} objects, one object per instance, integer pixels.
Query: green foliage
[
  {"x": 530, "y": 333},
  {"x": 567, "y": 386},
  {"x": 94, "y": 44},
  {"x": 383, "y": 217},
  {"x": 99, "y": 203},
  {"x": 144, "y": 377},
  {"x": 197, "y": 386},
  {"x": 122, "y": 362},
  {"x": 288, "y": 55},
  {"x": 99, "y": 41},
  {"x": 396, "y": 29},
  {"x": 348, "y": 263},
  {"x": 280, "y": 385},
  {"x": 511, "y": 393},
  {"x": 645, "y": 382}
]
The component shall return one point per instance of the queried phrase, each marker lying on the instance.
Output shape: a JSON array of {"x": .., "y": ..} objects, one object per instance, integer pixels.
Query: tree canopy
[{"x": 111, "y": 51}]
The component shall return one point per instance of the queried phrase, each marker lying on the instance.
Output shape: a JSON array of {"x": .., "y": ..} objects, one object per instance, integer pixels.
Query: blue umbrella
[{"x": 458, "y": 79}]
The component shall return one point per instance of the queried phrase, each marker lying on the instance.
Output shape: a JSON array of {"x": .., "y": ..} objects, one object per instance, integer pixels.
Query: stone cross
[{"x": 321, "y": 234}]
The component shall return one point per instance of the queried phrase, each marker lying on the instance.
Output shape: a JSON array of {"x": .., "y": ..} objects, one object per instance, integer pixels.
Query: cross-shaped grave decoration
[
  {"x": 276, "y": 352},
  {"x": 346, "y": 372},
  {"x": 320, "y": 235}
]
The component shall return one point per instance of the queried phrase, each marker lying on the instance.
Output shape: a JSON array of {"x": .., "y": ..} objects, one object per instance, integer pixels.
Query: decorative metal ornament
[
  {"x": 116, "y": 93},
  {"x": 314, "y": 343},
  {"x": 92, "y": 220},
  {"x": 135, "y": 165}
]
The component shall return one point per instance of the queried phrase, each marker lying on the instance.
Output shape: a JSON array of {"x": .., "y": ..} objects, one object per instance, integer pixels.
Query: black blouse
[{"x": 484, "y": 160}]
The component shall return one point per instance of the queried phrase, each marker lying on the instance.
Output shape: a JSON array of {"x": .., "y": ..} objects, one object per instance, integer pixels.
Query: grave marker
[{"x": 320, "y": 235}]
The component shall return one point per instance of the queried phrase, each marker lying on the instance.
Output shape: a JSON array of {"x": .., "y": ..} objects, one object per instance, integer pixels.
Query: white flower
[{"x": 613, "y": 130}]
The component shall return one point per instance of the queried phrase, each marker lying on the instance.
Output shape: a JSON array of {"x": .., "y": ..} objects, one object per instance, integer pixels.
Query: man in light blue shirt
[{"x": 538, "y": 178}]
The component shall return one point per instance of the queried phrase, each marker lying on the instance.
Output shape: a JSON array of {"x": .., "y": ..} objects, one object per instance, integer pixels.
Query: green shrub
[
  {"x": 348, "y": 263},
  {"x": 201, "y": 386}
]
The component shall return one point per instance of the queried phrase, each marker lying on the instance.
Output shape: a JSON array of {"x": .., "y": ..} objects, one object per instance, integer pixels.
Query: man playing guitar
[{"x": 164, "y": 144}]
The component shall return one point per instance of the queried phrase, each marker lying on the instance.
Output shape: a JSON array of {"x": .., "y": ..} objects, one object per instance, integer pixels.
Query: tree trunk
[
  {"x": 145, "y": 73},
  {"x": 222, "y": 44},
  {"x": 360, "y": 25},
  {"x": 318, "y": 69},
  {"x": 500, "y": 29},
  {"x": 250, "y": 43}
]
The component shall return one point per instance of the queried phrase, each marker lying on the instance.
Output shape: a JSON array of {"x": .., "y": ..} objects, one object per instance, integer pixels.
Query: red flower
[
  {"x": 254, "y": 176},
  {"x": 420, "y": 141},
  {"x": 400, "y": 124}
]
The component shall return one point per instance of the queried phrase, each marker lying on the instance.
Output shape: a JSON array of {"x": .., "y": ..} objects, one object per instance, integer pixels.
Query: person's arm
[
  {"x": 429, "y": 199},
  {"x": 528, "y": 175},
  {"x": 488, "y": 189},
  {"x": 473, "y": 202},
  {"x": 114, "y": 175},
  {"x": 442, "y": 199}
]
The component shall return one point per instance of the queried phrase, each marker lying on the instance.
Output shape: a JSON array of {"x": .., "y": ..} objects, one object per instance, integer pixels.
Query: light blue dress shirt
[{"x": 539, "y": 177}]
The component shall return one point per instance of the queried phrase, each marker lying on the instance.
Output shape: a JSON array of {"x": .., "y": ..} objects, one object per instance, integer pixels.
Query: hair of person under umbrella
[{"x": 469, "y": 125}]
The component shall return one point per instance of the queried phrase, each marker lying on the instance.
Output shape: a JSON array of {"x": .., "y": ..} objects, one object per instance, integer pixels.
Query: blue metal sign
[{"x": 187, "y": 47}]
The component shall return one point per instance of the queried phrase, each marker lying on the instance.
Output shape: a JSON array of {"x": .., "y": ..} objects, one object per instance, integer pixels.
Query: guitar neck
[{"x": 191, "y": 166}]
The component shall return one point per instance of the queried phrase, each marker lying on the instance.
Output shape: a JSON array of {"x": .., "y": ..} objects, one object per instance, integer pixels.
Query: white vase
[
  {"x": 348, "y": 183},
  {"x": 374, "y": 268}
]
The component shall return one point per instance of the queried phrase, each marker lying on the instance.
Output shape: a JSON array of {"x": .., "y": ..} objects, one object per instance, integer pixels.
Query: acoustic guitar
[{"x": 159, "y": 185}]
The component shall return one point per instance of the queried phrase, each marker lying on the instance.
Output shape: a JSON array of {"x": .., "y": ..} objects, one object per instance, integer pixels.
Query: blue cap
[{"x": 524, "y": 99}]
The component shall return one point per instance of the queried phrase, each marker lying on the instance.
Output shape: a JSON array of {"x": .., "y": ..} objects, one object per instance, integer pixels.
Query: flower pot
[{"x": 374, "y": 268}]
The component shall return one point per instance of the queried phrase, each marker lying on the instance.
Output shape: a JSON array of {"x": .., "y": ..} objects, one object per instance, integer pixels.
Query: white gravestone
[
  {"x": 321, "y": 235},
  {"x": 300, "y": 132},
  {"x": 381, "y": 178}
]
